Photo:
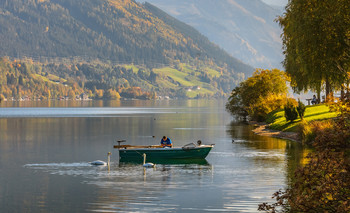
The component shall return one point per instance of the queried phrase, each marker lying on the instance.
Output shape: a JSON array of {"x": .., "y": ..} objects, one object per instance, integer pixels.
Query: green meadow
[
  {"x": 277, "y": 121},
  {"x": 188, "y": 79}
]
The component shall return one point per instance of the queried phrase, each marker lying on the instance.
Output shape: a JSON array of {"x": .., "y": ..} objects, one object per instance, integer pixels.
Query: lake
[{"x": 46, "y": 147}]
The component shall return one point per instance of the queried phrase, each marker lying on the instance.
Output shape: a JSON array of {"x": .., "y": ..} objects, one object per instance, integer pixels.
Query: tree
[
  {"x": 99, "y": 93},
  {"x": 301, "y": 109},
  {"x": 71, "y": 94},
  {"x": 290, "y": 111},
  {"x": 152, "y": 76},
  {"x": 316, "y": 41},
  {"x": 111, "y": 94},
  {"x": 20, "y": 80},
  {"x": 251, "y": 95},
  {"x": 235, "y": 104}
]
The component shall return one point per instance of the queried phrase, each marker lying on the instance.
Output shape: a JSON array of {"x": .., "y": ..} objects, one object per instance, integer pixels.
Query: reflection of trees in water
[
  {"x": 238, "y": 129},
  {"x": 243, "y": 131},
  {"x": 242, "y": 134}
]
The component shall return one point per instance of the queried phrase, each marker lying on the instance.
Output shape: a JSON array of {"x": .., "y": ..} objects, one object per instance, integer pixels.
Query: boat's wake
[
  {"x": 72, "y": 169},
  {"x": 57, "y": 165},
  {"x": 115, "y": 170}
]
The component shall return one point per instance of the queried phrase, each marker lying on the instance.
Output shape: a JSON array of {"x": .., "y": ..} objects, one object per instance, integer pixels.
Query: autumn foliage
[
  {"x": 33, "y": 80},
  {"x": 260, "y": 94},
  {"x": 323, "y": 184}
]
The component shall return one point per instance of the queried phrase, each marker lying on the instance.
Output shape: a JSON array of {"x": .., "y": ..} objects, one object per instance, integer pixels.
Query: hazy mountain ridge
[{"x": 245, "y": 29}]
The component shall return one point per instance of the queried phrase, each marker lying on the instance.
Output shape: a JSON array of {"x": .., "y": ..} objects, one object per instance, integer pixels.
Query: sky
[{"x": 276, "y": 2}]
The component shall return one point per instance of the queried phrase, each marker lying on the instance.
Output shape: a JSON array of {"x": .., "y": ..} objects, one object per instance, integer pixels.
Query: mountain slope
[
  {"x": 119, "y": 30},
  {"x": 171, "y": 57},
  {"x": 245, "y": 29}
]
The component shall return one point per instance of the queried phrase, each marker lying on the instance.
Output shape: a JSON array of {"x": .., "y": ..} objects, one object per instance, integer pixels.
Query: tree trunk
[
  {"x": 328, "y": 90},
  {"x": 318, "y": 90}
]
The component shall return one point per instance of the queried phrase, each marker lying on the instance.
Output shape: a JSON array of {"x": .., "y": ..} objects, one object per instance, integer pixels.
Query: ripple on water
[
  {"x": 145, "y": 190},
  {"x": 252, "y": 154},
  {"x": 131, "y": 172}
]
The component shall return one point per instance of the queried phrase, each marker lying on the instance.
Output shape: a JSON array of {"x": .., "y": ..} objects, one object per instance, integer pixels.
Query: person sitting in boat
[{"x": 166, "y": 142}]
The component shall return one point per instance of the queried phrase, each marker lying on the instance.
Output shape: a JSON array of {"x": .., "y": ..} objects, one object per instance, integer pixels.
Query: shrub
[
  {"x": 337, "y": 134},
  {"x": 301, "y": 109},
  {"x": 309, "y": 131},
  {"x": 305, "y": 132},
  {"x": 290, "y": 111},
  {"x": 265, "y": 105},
  {"x": 320, "y": 186}
]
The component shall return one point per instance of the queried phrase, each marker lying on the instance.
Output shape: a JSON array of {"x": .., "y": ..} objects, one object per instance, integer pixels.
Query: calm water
[{"x": 45, "y": 149}]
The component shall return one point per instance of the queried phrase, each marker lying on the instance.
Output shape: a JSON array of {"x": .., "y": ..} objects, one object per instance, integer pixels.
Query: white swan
[
  {"x": 102, "y": 163},
  {"x": 148, "y": 165}
]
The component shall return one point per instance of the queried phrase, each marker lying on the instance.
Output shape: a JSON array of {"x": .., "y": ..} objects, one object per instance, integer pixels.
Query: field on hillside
[{"x": 188, "y": 79}]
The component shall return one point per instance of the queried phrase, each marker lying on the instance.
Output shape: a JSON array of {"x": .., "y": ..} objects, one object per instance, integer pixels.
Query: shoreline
[{"x": 262, "y": 130}]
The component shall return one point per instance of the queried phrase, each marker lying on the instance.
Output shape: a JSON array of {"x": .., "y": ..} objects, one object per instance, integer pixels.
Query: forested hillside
[
  {"x": 118, "y": 33},
  {"x": 98, "y": 80}
]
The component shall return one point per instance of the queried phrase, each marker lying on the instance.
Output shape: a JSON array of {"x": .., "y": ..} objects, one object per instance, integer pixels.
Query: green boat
[
  {"x": 129, "y": 153},
  {"x": 127, "y": 162}
]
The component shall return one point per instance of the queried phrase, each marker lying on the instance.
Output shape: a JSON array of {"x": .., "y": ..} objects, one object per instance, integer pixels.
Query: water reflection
[
  {"x": 152, "y": 192},
  {"x": 130, "y": 186},
  {"x": 270, "y": 149},
  {"x": 44, "y": 161}
]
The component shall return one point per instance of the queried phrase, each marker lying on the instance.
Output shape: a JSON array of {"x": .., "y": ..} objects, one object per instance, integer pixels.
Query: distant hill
[
  {"x": 169, "y": 56},
  {"x": 244, "y": 28}
]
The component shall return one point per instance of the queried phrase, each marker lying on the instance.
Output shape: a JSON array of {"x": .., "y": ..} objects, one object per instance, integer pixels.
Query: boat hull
[
  {"x": 164, "y": 153},
  {"x": 198, "y": 161}
]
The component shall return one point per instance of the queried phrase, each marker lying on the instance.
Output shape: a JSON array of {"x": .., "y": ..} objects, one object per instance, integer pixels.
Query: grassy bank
[{"x": 277, "y": 121}]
